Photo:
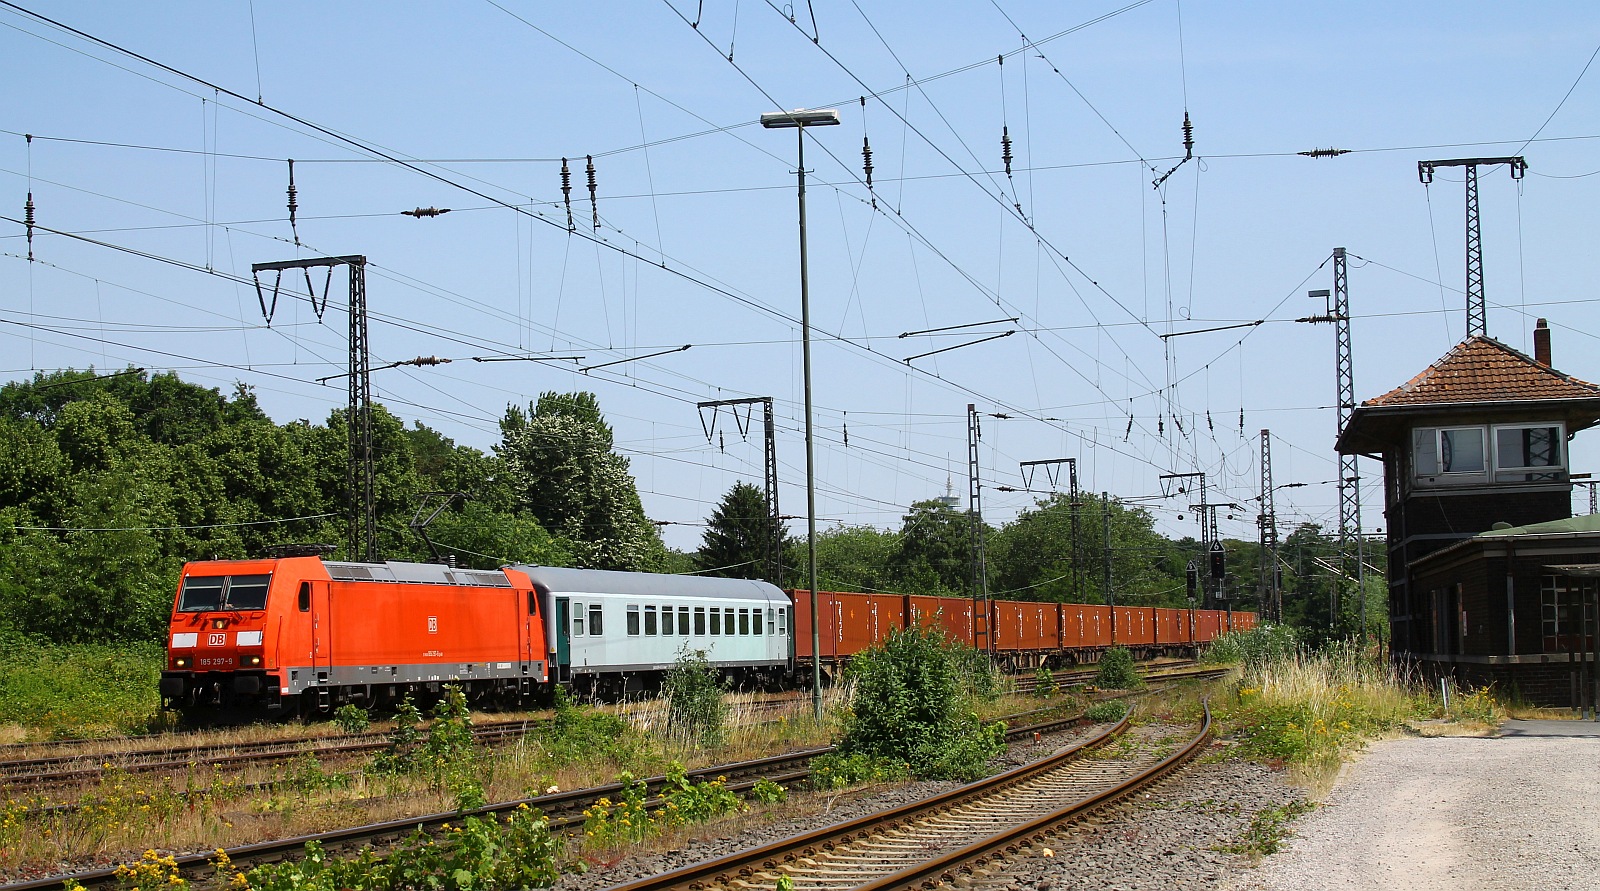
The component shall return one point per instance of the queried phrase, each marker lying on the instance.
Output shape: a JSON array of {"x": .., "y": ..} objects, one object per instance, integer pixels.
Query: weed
[
  {"x": 352, "y": 718},
  {"x": 768, "y": 792},
  {"x": 1257, "y": 646},
  {"x": 694, "y": 691},
  {"x": 1044, "y": 682},
  {"x": 608, "y": 823},
  {"x": 1117, "y": 671},
  {"x": 835, "y": 771},
  {"x": 1267, "y": 829},
  {"x": 1107, "y": 711}
]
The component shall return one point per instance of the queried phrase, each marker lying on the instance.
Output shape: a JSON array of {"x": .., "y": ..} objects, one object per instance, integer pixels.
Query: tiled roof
[{"x": 1482, "y": 369}]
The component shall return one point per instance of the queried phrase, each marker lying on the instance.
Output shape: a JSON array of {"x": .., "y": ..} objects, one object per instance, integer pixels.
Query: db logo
[
  {"x": 433, "y": 624},
  {"x": 217, "y": 640}
]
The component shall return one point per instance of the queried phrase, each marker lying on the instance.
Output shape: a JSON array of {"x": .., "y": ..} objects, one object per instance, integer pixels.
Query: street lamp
[{"x": 799, "y": 120}]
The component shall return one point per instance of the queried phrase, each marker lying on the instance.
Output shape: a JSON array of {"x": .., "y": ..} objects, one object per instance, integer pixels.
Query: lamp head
[{"x": 800, "y": 117}]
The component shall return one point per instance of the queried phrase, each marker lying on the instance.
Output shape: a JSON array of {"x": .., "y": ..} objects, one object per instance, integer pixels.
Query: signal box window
[
  {"x": 649, "y": 620},
  {"x": 683, "y": 621},
  {"x": 1528, "y": 454},
  {"x": 700, "y": 620},
  {"x": 595, "y": 630},
  {"x": 633, "y": 620},
  {"x": 577, "y": 620}
]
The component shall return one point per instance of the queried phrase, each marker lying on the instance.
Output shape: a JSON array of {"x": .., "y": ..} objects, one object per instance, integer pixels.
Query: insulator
[
  {"x": 1177, "y": 421},
  {"x": 1188, "y": 137},
  {"x": 1005, "y": 147},
  {"x": 847, "y": 435},
  {"x": 1210, "y": 426},
  {"x": 592, "y": 203},
  {"x": 27, "y": 220},
  {"x": 1241, "y": 419},
  {"x": 722, "y": 442},
  {"x": 294, "y": 205},
  {"x": 566, "y": 191},
  {"x": 1161, "y": 426},
  {"x": 866, "y": 159},
  {"x": 1128, "y": 432}
]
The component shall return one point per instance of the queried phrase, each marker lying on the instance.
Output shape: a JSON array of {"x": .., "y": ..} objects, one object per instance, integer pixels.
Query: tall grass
[
  {"x": 1311, "y": 710},
  {"x": 51, "y": 690}
]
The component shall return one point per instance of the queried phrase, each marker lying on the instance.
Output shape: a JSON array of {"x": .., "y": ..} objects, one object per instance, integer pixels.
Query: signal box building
[{"x": 1476, "y": 443}]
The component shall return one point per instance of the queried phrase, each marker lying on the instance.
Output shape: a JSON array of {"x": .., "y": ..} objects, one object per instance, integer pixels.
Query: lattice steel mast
[
  {"x": 774, "y": 544},
  {"x": 982, "y": 639},
  {"x": 1270, "y": 601},
  {"x": 1477, "y": 314},
  {"x": 363, "y": 532}
]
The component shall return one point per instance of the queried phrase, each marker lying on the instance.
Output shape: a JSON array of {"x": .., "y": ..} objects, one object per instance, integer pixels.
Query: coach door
[
  {"x": 563, "y": 625},
  {"x": 321, "y": 630}
]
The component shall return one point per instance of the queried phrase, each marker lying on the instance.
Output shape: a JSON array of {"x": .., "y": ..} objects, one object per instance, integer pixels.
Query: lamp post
[{"x": 799, "y": 120}]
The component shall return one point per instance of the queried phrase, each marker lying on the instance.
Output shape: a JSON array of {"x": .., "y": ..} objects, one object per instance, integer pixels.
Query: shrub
[
  {"x": 1257, "y": 646},
  {"x": 1117, "y": 671},
  {"x": 448, "y": 755},
  {"x": 693, "y": 689},
  {"x": 1107, "y": 711},
  {"x": 768, "y": 792},
  {"x": 1044, "y": 682},
  {"x": 67, "y": 690},
  {"x": 909, "y": 705},
  {"x": 835, "y": 771},
  {"x": 352, "y": 718}
]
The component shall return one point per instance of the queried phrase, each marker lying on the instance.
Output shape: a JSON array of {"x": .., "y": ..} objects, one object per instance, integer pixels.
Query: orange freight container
[
  {"x": 1207, "y": 622},
  {"x": 1134, "y": 626},
  {"x": 1087, "y": 625},
  {"x": 1039, "y": 626},
  {"x": 1171, "y": 626},
  {"x": 953, "y": 614}
]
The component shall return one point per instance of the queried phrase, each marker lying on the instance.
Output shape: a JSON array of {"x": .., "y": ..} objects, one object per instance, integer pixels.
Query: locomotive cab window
[
  {"x": 223, "y": 592},
  {"x": 595, "y": 629},
  {"x": 303, "y": 600},
  {"x": 633, "y": 620}
]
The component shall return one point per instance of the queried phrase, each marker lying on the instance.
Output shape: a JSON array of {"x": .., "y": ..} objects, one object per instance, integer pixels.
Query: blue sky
[{"x": 696, "y": 242}]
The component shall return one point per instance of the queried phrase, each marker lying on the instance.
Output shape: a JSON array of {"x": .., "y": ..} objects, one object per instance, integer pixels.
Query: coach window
[
  {"x": 633, "y": 620},
  {"x": 649, "y": 620},
  {"x": 683, "y": 621},
  {"x": 755, "y": 621},
  {"x": 727, "y": 619},
  {"x": 577, "y": 620},
  {"x": 783, "y": 620},
  {"x": 666, "y": 620},
  {"x": 595, "y": 629},
  {"x": 716, "y": 621},
  {"x": 744, "y": 621},
  {"x": 700, "y": 621},
  {"x": 772, "y": 621},
  {"x": 304, "y": 601}
]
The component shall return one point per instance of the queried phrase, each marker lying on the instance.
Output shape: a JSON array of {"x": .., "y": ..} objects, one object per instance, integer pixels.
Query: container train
[{"x": 302, "y": 635}]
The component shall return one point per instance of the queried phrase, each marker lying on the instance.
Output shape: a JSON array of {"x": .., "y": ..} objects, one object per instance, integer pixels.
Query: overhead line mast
[{"x": 1477, "y": 313}]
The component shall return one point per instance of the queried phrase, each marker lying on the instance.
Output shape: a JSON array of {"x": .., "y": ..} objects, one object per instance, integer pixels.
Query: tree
[
  {"x": 849, "y": 558},
  {"x": 935, "y": 551},
  {"x": 563, "y": 472},
  {"x": 738, "y": 536}
]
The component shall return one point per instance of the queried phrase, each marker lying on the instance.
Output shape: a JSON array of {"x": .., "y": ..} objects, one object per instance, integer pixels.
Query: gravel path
[{"x": 1517, "y": 812}]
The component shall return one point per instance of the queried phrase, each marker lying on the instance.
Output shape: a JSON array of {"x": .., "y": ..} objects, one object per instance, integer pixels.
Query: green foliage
[
  {"x": 1118, "y": 671},
  {"x": 581, "y": 733},
  {"x": 849, "y": 558},
  {"x": 1106, "y": 711},
  {"x": 78, "y": 690},
  {"x": 481, "y": 854},
  {"x": 684, "y": 803},
  {"x": 838, "y": 771},
  {"x": 446, "y": 755},
  {"x": 934, "y": 555},
  {"x": 737, "y": 535},
  {"x": 558, "y": 456},
  {"x": 693, "y": 689},
  {"x": 768, "y": 792},
  {"x": 352, "y": 718},
  {"x": 630, "y": 819},
  {"x": 908, "y": 705},
  {"x": 608, "y": 823},
  {"x": 1258, "y": 646},
  {"x": 1268, "y": 827},
  {"x": 1044, "y": 682},
  {"x": 1033, "y": 556}
]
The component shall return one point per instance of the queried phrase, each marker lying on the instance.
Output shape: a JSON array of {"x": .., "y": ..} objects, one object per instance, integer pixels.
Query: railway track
[
  {"x": 951, "y": 838},
  {"x": 564, "y": 810}
]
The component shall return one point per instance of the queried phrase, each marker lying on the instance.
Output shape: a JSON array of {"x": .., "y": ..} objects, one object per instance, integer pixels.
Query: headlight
[
  {"x": 252, "y": 660},
  {"x": 180, "y": 662}
]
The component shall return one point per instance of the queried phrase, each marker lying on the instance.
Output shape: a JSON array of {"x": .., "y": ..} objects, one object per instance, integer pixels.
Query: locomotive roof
[
  {"x": 415, "y": 573},
  {"x": 647, "y": 584}
]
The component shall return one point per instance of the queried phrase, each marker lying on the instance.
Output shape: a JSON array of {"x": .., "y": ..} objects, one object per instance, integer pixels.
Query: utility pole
[
  {"x": 981, "y": 626},
  {"x": 363, "y": 532},
  {"x": 774, "y": 549},
  {"x": 1337, "y": 312},
  {"x": 1052, "y": 468},
  {"x": 1270, "y": 602},
  {"x": 1110, "y": 596},
  {"x": 1477, "y": 314}
]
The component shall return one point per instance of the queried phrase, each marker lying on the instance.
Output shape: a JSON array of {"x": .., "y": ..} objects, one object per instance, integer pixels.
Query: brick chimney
[{"x": 1541, "y": 343}]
